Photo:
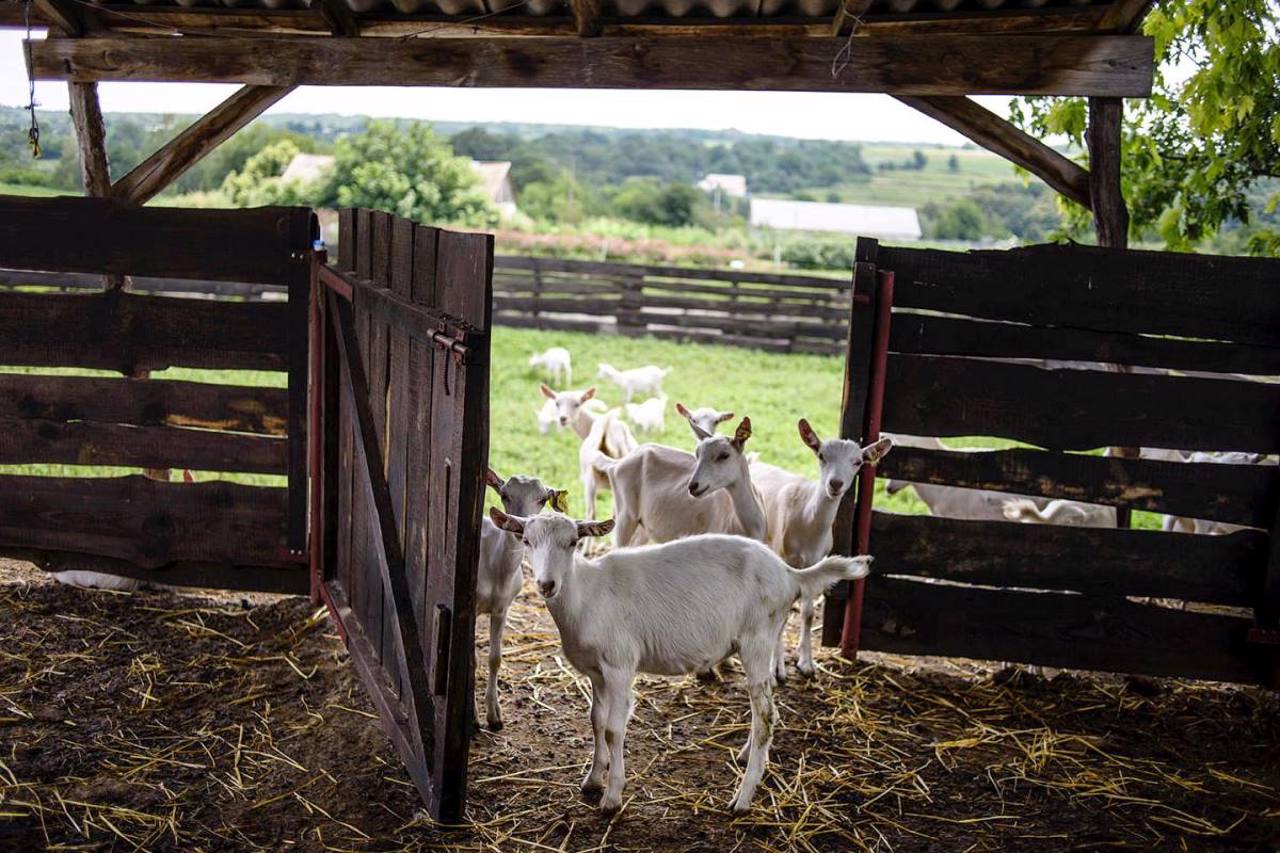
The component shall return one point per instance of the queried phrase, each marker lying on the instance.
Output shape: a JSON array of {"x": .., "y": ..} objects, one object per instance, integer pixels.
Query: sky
[{"x": 868, "y": 118}]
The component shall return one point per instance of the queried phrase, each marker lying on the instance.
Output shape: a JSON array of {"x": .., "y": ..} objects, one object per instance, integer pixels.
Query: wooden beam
[
  {"x": 91, "y": 138},
  {"x": 1110, "y": 216},
  {"x": 340, "y": 18},
  {"x": 69, "y": 17},
  {"x": 1125, "y": 16},
  {"x": 849, "y": 12},
  {"x": 186, "y": 149},
  {"x": 906, "y": 65},
  {"x": 996, "y": 134},
  {"x": 586, "y": 17}
]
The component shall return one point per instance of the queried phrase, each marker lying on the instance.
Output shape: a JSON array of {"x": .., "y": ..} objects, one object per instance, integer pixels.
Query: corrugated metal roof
[{"x": 900, "y": 223}]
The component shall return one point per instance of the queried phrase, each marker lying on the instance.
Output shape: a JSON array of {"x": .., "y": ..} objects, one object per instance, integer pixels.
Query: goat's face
[
  {"x": 840, "y": 460},
  {"x": 567, "y": 402},
  {"x": 522, "y": 496},
  {"x": 718, "y": 460},
  {"x": 706, "y": 418},
  {"x": 549, "y": 541}
]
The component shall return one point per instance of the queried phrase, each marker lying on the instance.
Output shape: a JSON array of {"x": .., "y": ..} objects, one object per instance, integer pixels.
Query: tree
[
  {"x": 411, "y": 172},
  {"x": 918, "y": 160},
  {"x": 960, "y": 220},
  {"x": 953, "y": 163},
  {"x": 648, "y": 200},
  {"x": 259, "y": 183},
  {"x": 1195, "y": 149}
]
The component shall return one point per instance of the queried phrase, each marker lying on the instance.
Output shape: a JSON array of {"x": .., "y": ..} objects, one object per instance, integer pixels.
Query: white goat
[
  {"x": 706, "y": 418},
  {"x": 498, "y": 577},
  {"x": 801, "y": 513},
  {"x": 556, "y": 363},
  {"x": 667, "y": 610},
  {"x": 548, "y": 416},
  {"x": 1060, "y": 512},
  {"x": 953, "y": 501},
  {"x": 96, "y": 580},
  {"x": 670, "y": 494},
  {"x": 649, "y": 416},
  {"x": 603, "y": 435},
  {"x": 637, "y": 380}
]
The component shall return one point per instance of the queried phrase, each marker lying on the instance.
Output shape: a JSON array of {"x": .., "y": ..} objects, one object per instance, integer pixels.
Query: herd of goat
[{"x": 759, "y": 536}]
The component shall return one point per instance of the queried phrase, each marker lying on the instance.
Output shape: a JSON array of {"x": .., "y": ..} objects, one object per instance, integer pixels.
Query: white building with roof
[
  {"x": 306, "y": 168},
  {"x": 495, "y": 175},
  {"x": 734, "y": 186},
  {"x": 867, "y": 220}
]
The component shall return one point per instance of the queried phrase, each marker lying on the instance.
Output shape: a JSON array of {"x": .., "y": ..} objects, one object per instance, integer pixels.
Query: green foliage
[
  {"x": 409, "y": 171},
  {"x": 1193, "y": 151},
  {"x": 259, "y": 182},
  {"x": 648, "y": 200},
  {"x": 959, "y": 220},
  {"x": 819, "y": 253},
  {"x": 560, "y": 199},
  {"x": 953, "y": 163}
]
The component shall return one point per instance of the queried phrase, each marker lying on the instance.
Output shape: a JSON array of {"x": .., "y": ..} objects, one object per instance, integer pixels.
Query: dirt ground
[{"x": 159, "y": 721}]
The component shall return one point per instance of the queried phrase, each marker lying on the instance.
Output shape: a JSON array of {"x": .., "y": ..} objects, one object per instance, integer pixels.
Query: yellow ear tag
[{"x": 560, "y": 501}]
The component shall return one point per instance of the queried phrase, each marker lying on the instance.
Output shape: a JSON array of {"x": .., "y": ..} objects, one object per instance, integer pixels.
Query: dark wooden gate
[
  {"x": 401, "y": 446},
  {"x": 967, "y": 350}
]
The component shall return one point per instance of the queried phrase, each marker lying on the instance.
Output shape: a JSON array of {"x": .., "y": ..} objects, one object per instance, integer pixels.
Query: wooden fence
[
  {"x": 780, "y": 313},
  {"x": 1076, "y": 597},
  {"x": 213, "y": 533}
]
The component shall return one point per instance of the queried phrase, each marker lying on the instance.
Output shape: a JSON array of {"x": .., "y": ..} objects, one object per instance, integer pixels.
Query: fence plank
[
  {"x": 1053, "y": 629},
  {"x": 125, "y": 332},
  {"x": 115, "y": 237},
  {"x": 30, "y": 441},
  {"x": 144, "y": 402},
  {"x": 1238, "y": 494},
  {"x": 1102, "y": 561},
  {"x": 148, "y": 522},
  {"x": 1109, "y": 290},
  {"x": 923, "y": 334},
  {"x": 1078, "y": 409}
]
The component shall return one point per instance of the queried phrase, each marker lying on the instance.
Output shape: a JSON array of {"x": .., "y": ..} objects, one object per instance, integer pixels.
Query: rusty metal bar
[{"x": 867, "y": 475}]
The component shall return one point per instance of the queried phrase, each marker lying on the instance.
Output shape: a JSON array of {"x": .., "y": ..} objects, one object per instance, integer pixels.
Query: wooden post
[{"x": 1110, "y": 215}]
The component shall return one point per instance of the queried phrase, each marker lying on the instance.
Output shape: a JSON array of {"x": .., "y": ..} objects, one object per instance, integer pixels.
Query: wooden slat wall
[{"x": 1066, "y": 596}]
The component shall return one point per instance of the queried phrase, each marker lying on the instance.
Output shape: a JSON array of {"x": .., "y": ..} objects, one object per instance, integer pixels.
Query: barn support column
[{"x": 1110, "y": 215}]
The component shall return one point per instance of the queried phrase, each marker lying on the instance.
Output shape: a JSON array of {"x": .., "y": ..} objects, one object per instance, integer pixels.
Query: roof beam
[
  {"x": 904, "y": 65},
  {"x": 1125, "y": 16},
  {"x": 340, "y": 18},
  {"x": 996, "y": 134},
  {"x": 186, "y": 149},
  {"x": 851, "y": 12},
  {"x": 91, "y": 138}
]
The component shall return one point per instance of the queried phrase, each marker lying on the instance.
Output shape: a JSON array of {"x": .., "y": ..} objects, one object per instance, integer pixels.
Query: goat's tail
[
  {"x": 1023, "y": 509},
  {"x": 814, "y": 580}
]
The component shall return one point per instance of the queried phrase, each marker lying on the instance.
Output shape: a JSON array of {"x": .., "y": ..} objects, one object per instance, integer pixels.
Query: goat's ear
[
  {"x": 724, "y": 416},
  {"x": 588, "y": 394},
  {"x": 741, "y": 434},
  {"x": 684, "y": 413},
  {"x": 594, "y": 528},
  {"x": 546, "y": 391},
  {"x": 808, "y": 436},
  {"x": 559, "y": 500},
  {"x": 492, "y": 480},
  {"x": 509, "y": 523},
  {"x": 875, "y": 452}
]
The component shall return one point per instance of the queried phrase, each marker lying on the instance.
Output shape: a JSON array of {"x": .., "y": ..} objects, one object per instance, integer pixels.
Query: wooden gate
[
  {"x": 401, "y": 444},
  {"x": 977, "y": 348}
]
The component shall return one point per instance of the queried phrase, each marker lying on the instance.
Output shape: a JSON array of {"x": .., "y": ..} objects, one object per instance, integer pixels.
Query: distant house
[
  {"x": 496, "y": 177},
  {"x": 734, "y": 186},
  {"x": 868, "y": 220},
  {"x": 306, "y": 168}
]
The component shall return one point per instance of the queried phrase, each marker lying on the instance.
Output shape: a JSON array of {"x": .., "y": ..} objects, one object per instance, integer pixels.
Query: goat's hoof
[
  {"x": 710, "y": 676},
  {"x": 495, "y": 725},
  {"x": 611, "y": 804},
  {"x": 780, "y": 678},
  {"x": 737, "y": 806},
  {"x": 807, "y": 670},
  {"x": 591, "y": 789}
]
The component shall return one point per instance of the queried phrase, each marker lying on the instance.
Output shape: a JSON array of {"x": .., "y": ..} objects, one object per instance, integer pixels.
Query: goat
[
  {"x": 667, "y": 609},
  {"x": 705, "y": 418},
  {"x": 548, "y": 416},
  {"x": 637, "y": 380},
  {"x": 670, "y": 494},
  {"x": 498, "y": 576},
  {"x": 649, "y": 416},
  {"x": 1060, "y": 512},
  {"x": 953, "y": 501},
  {"x": 1204, "y": 526},
  {"x": 604, "y": 436},
  {"x": 556, "y": 363},
  {"x": 801, "y": 513}
]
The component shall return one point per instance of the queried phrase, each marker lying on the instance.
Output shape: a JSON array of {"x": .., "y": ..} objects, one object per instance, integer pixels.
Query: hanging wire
[
  {"x": 33, "y": 133},
  {"x": 841, "y": 60}
]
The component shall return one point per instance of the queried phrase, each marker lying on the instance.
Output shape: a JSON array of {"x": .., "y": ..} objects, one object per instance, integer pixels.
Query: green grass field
[
  {"x": 774, "y": 390},
  {"x": 24, "y": 189}
]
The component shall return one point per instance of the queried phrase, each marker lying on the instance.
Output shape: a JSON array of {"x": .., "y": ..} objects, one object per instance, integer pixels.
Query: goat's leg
[
  {"x": 764, "y": 719},
  {"x": 618, "y": 689},
  {"x": 594, "y": 783},
  {"x": 780, "y": 653},
  {"x": 589, "y": 493},
  {"x": 804, "y": 649},
  {"x": 493, "y": 711}
]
